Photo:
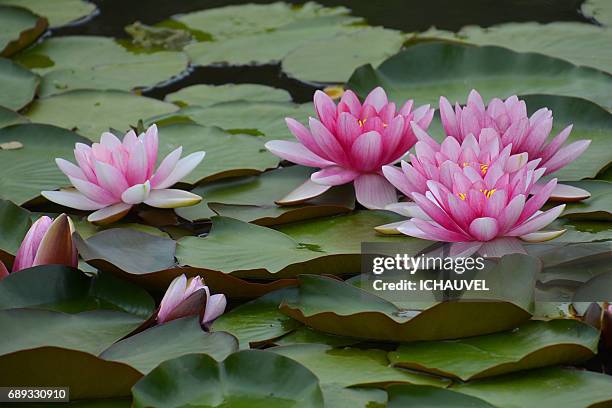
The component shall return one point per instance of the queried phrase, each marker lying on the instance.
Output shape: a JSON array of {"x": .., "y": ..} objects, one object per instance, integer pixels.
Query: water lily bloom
[
  {"x": 186, "y": 297},
  {"x": 114, "y": 175},
  {"x": 47, "y": 242},
  {"x": 474, "y": 194},
  {"x": 351, "y": 142},
  {"x": 509, "y": 121}
]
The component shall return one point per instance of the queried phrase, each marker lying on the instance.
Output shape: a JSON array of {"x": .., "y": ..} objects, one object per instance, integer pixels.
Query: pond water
[{"x": 407, "y": 16}]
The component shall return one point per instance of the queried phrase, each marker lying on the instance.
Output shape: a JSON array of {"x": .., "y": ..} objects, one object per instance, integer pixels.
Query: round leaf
[
  {"x": 20, "y": 28},
  {"x": 17, "y": 83},
  {"x": 58, "y": 12},
  {"x": 207, "y": 95}
]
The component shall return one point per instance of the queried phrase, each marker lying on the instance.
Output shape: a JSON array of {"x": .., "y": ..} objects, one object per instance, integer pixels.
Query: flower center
[{"x": 488, "y": 193}]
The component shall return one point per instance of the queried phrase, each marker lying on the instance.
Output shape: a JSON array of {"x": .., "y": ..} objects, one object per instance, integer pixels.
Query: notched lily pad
[
  {"x": 246, "y": 378},
  {"x": 531, "y": 345},
  {"x": 20, "y": 28},
  {"x": 340, "y": 308}
]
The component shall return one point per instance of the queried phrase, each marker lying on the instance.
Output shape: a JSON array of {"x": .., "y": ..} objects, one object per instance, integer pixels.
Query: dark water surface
[{"x": 405, "y": 15}]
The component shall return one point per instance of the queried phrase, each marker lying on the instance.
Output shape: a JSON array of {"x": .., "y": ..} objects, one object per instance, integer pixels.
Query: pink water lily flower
[
  {"x": 351, "y": 142},
  {"x": 474, "y": 194},
  {"x": 186, "y": 297},
  {"x": 114, "y": 175},
  {"x": 509, "y": 121},
  {"x": 47, "y": 242}
]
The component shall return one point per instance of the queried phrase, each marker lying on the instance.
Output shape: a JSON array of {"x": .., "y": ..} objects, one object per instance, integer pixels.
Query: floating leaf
[
  {"x": 322, "y": 245},
  {"x": 303, "y": 335},
  {"x": 426, "y": 396},
  {"x": 55, "y": 287},
  {"x": 208, "y": 95},
  {"x": 259, "y": 320},
  {"x": 343, "y": 397},
  {"x": 90, "y": 62},
  {"x": 597, "y": 207},
  {"x": 14, "y": 224},
  {"x": 340, "y": 308},
  {"x": 254, "y": 118},
  {"x": 353, "y": 366},
  {"x": 20, "y": 28},
  {"x": 252, "y": 199},
  {"x": 597, "y": 289},
  {"x": 146, "y": 350},
  {"x": 92, "y": 112},
  {"x": 58, "y": 12},
  {"x": 9, "y": 117},
  {"x": 572, "y": 389},
  {"x": 531, "y": 345},
  {"x": 454, "y": 69},
  {"x": 247, "y": 378},
  {"x": 578, "y": 43},
  {"x": 32, "y": 169},
  {"x": 337, "y": 57},
  {"x": 227, "y": 155},
  {"x": 600, "y": 10},
  {"x": 17, "y": 83}
]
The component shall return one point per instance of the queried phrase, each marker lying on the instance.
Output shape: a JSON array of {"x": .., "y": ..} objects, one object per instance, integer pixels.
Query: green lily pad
[
  {"x": 572, "y": 389},
  {"x": 207, "y": 95},
  {"x": 247, "y": 378},
  {"x": 337, "y": 57},
  {"x": 600, "y": 10},
  {"x": 306, "y": 335},
  {"x": 248, "y": 19},
  {"x": 58, "y": 12},
  {"x": 426, "y": 396},
  {"x": 9, "y": 117},
  {"x": 227, "y": 155},
  {"x": 353, "y": 366},
  {"x": 82, "y": 372},
  {"x": 578, "y": 43},
  {"x": 54, "y": 287},
  {"x": 18, "y": 85},
  {"x": 304, "y": 247},
  {"x": 340, "y": 308},
  {"x": 582, "y": 230},
  {"x": 146, "y": 350},
  {"x": 343, "y": 397},
  {"x": 531, "y": 345},
  {"x": 90, "y": 62},
  {"x": 597, "y": 207},
  {"x": 20, "y": 28},
  {"x": 92, "y": 112},
  {"x": 252, "y": 199},
  {"x": 31, "y": 169},
  {"x": 454, "y": 69},
  {"x": 148, "y": 261},
  {"x": 258, "y": 321},
  {"x": 590, "y": 121},
  {"x": 254, "y": 118},
  {"x": 596, "y": 289},
  {"x": 14, "y": 224}
]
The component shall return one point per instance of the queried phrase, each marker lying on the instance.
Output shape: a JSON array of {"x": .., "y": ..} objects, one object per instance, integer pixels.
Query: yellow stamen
[
  {"x": 385, "y": 125},
  {"x": 461, "y": 196},
  {"x": 362, "y": 122},
  {"x": 484, "y": 168},
  {"x": 488, "y": 193},
  {"x": 465, "y": 164}
]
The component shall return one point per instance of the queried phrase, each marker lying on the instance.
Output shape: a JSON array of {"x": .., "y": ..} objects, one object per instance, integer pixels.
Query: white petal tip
[
  {"x": 389, "y": 229},
  {"x": 541, "y": 236}
]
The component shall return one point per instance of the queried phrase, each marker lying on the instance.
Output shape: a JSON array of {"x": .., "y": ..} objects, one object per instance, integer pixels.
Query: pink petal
[
  {"x": 389, "y": 229},
  {"x": 351, "y": 101},
  {"x": 110, "y": 214},
  {"x": 449, "y": 120},
  {"x": 554, "y": 145},
  {"x": 538, "y": 222},
  {"x": 464, "y": 249},
  {"x": 72, "y": 199},
  {"x": 151, "y": 142},
  {"x": 56, "y": 246},
  {"x": 484, "y": 228},
  {"x": 172, "y": 297},
  {"x": 329, "y": 147},
  {"x": 409, "y": 228},
  {"x": 70, "y": 169},
  {"x": 422, "y": 136},
  {"x": 566, "y": 155},
  {"x": 475, "y": 100},
  {"x": 111, "y": 179},
  {"x": 537, "y": 200},
  {"x": 183, "y": 167},
  {"x": 215, "y": 306},
  {"x": 396, "y": 177},
  {"x": 334, "y": 176},
  {"x": 307, "y": 190},
  {"x": 567, "y": 193},
  {"x": 348, "y": 129},
  {"x": 82, "y": 154},
  {"x": 374, "y": 191},
  {"x": 366, "y": 152},
  {"x": 451, "y": 148},
  {"x": 436, "y": 232},
  {"x": 326, "y": 109},
  {"x": 303, "y": 135},
  {"x": 408, "y": 209},
  {"x": 296, "y": 153},
  {"x": 30, "y": 244},
  {"x": 377, "y": 98},
  {"x": 166, "y": 166},
  {"x": 392, "y": 140},
  {"x": 171, "y": 198},
  {"x": 110, "y": 141},
  {"x": 507, "y": 219},
  {"x": 93, "y": 191},
  {"x": 3, "y": 271}
]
